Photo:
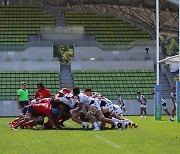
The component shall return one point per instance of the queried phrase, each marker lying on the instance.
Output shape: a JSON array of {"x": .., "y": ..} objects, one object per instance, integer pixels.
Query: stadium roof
[{"x": 141, "y": 12}]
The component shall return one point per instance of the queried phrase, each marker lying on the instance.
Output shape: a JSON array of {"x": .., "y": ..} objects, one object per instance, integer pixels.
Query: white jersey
[
  {"x": 117, "y": 110},
  {"x": 141, "y": 99},
  {"x": 69, "y": 102},
  {"x": 84, "y": 99}
]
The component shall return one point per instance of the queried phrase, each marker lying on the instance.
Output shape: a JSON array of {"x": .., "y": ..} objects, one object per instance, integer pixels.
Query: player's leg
[
  {"x": 145, "y": 113},
  {"x": 167, "y": 112},
  {"x": 173, "y": 111},
  {"x": 76, "y": 118},
  {"x": 101, "y": 117},
  {"x": 22, "y": 121},
  {"x": 64, "y": 118},
  {"x": 90, "y": 115},
  {"x": 141, "y": 112}
]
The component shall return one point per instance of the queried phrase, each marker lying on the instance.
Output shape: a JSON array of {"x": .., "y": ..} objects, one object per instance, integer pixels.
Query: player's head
[
  {"x": 40, "y": 86},
  {"x": 76, "y": 91},
  {"x": 153, "y": 94},
  {"x": 23, "y": 84},
  {"x": 138, "y": 93},
  {"x": 64, "y": 91},
  {"x": 118, "y": 95},
  {"x": 88, "y": 91},
  {"x": 173, "y": 89}
]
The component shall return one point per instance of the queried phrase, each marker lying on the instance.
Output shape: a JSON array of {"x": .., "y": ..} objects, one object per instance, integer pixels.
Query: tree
[
  {"x": 169, "y": 44},
  {"x": 65, "y": 54},
  {"x": 173, "y": 48}
]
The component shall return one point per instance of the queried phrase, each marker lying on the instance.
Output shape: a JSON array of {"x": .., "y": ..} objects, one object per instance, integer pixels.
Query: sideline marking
[{"x": 108, "y": 141}]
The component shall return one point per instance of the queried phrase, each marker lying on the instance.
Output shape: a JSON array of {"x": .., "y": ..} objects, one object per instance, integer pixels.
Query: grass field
[{"x": 150, "y": 137}]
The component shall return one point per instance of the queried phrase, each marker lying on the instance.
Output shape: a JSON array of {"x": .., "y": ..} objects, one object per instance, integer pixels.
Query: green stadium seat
[
  {"x": 10, "y": 82},
  {"x": 110, "y": 83}
]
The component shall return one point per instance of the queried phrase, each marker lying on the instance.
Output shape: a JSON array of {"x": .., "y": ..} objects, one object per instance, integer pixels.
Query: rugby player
[{"x": 142, "y": 101}]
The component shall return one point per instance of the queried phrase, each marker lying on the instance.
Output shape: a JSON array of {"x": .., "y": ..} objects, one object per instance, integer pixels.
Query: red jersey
[
  {"x": 44, "y": 93},
  {"x": 44, "y": 100},
  {"x": 43, "y": 109}
]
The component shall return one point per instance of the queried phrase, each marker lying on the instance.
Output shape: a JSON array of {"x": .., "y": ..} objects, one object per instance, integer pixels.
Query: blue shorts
[
  {"x": 23, "y": 103},
  {"x": 31, "y": 110}
]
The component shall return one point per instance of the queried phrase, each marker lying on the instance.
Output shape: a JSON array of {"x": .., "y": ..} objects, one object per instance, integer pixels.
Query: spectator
[
  {"x": 22, "y": 96},
  {"x": 42, "y": 92}
]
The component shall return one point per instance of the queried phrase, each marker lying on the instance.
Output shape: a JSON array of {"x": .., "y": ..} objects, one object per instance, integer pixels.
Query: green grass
[{"x": 150, "y": 137}]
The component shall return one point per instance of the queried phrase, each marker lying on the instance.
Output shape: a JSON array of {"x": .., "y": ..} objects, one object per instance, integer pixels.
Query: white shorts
[
  {"x": 96, "y": 105},
  {"x": 142, "y": 105}
]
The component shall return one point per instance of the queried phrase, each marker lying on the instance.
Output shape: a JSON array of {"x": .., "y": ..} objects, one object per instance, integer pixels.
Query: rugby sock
[{"x": 95, "y": 124}]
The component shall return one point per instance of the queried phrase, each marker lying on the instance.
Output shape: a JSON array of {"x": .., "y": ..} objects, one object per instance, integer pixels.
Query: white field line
[{"x": 108, "y": 142}]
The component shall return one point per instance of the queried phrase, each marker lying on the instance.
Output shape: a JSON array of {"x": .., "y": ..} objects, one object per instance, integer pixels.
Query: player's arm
[
  {"x": 145, "y": 100},
  {"x": 80, "y": 106},
  {"x": 18, "y": 103},
  {"x": 51, "y": 121}
]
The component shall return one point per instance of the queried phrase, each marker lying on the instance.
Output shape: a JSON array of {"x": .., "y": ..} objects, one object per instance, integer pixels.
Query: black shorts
[{"x": 23, "y": 103}]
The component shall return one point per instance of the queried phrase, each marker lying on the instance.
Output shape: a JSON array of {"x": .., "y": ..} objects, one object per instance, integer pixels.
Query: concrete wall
[
  {"x": 112, "y": 65},
  {"x": 31, "y": 54},
  {"x": 9, "y": 108},
  {"x": 63, "y": 39},
  {"x": 136, "y": 53},
  {"x": 30, "y": 65}
]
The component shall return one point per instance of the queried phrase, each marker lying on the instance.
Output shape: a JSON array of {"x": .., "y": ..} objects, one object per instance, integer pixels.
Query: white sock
[
  {"x": 84, "y": 124},
  {"x": 99, "y": 123},
  {"x": 95, "y": 124}
]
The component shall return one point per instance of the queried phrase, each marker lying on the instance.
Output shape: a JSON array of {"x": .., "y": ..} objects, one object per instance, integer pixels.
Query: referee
[{"x": 22, "y": 96}]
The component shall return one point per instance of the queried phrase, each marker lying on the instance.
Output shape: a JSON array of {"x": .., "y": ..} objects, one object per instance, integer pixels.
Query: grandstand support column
[
  {"x": 158, "y": 89},
  {"x": 178, "y": 82}
]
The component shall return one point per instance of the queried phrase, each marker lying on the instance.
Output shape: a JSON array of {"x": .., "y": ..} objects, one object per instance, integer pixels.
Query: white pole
[
  {"x": 179, "y": 40},
  {"x": 157, "y": 40}
]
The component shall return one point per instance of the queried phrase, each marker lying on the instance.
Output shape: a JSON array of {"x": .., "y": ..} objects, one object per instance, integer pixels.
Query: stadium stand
[
  {"x": 17, "y": 22},
  {"x": 107, "y": 29},
  {"x": 111, "y": 83},
  {"x": 10, "y": 82}
]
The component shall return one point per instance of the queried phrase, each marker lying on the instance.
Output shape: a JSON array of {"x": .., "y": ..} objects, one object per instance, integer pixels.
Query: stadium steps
[
  {"x": 58, "y": 14},
  {"x": 166, "y": 89},
  {"x": 66, "y": 77}
]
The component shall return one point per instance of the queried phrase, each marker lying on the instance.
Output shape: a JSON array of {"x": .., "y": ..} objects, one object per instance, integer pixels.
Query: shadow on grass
[{"x": 72, "y": 129}]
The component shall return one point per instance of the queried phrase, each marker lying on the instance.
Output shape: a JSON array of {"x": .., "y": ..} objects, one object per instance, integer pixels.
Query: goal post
[
  {"x": 158, "y": 89},
  {"x": 178, "y": 82}
]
